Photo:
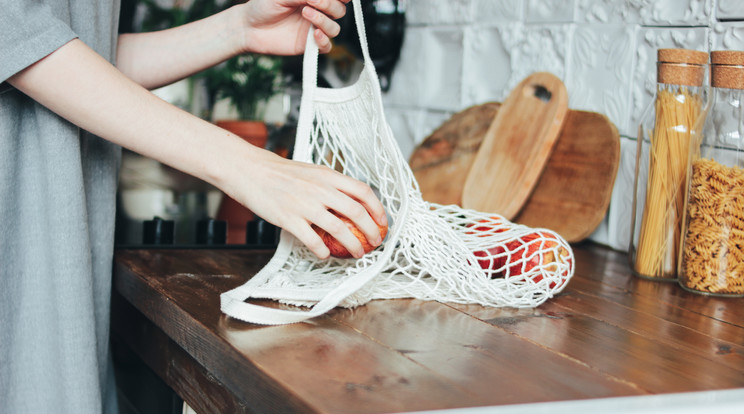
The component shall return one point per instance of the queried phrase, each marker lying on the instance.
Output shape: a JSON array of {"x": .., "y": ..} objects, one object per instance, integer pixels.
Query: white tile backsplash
[
  {"x": 487, "y": 59},
  {"x": 406, "y": 83},
  {"x": 406, "y": 123},
  {"x": 609, "y": 11},
  {"x": 600, "y": 70},
  {"x": 430, "y": 75},
  {"x": 438, "y": 12},
  {"x": 497, "y": 11},
  {"x": 539, "y": 48},
  {"x": 442, "y": 70},
  {"x": 459, "y": 53},
  {"x": 730, "y": 10},
  {"x": 620, "y": 211},
  {"x": 549, "y": 11},
  {"x": 729, "y": 35},
  {"x": 676, "y": 12}
]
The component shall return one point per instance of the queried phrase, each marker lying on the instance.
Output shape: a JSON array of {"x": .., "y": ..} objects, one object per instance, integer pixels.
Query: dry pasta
[
  {"x": 713, "y": 253},
  {"x": 661, "y": 225}
]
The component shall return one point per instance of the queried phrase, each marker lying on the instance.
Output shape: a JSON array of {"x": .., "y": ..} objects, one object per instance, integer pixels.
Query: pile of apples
[
  {"x": 520, "y": 256},
  {"x": 511, "y": 259}
]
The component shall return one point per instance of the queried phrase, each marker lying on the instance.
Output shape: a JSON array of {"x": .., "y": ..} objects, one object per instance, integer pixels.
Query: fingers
[
  {"x": 310, "y": 238},
  {"x": 334, "y": 226},
  {"x": 360, "y": 217},
  {"x": 321, "y": 21},
  {"x": 354, "y": 201},
  {"x": 357, "y": 202},
  {"x": 335, "y": 9},
  {"x": 340, "y": 231},
  {"x": 323, "y": 42},
  {"x": 321, "y": 13},
  {"x": 361, "y": 193}
]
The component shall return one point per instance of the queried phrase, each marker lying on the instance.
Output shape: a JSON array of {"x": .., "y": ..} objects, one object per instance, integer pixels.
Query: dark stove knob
[
  {"x": 158, "y": 231},
  {"x": 211, "y": 232},
  {"x": 251, "y": 232},
  {"x": 268, "y": 234},
  {"x": 261, "y": 232}
]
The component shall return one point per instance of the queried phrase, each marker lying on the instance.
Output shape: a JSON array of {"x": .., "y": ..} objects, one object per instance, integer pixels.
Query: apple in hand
[{"x": 337, "y": 249}]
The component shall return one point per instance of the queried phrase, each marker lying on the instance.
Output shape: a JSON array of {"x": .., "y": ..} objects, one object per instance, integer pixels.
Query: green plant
[
  {"x": 159, "y": 17},
  {"x": 247, "y": 81}
]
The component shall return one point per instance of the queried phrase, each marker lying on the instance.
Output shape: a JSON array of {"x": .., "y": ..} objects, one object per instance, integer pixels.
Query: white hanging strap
[
  {"x": 309, "y": 85},
  {"x": 233, "y": 302},
  {"x": 310, "y": 81},
  {"x": 359, "y": 19}
]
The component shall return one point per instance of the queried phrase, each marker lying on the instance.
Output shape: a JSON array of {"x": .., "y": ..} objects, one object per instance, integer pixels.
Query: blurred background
[{"x": 438, "y": 57}]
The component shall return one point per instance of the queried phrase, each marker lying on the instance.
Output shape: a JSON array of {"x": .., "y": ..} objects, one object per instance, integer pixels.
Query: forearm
[
  {"x": 81, "y": 86},
  {"x": 84, "y": 88},
  {"x": 159, "y": 58}
]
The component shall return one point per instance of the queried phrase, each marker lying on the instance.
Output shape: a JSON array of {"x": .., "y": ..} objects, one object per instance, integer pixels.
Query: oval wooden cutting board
[
  {"x": 516, "y": 146},
  {"x": 571, "y": 195}
]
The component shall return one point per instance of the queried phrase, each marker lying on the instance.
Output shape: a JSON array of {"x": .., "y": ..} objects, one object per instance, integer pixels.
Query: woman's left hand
[{"x": 279, "y": 27}]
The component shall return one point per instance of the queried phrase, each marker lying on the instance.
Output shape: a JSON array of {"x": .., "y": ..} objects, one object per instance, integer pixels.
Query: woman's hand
[
  {"x": 280, "y": 27},
  {"x": 277, "y": 27},
  {"x": 295, "y": 195}
]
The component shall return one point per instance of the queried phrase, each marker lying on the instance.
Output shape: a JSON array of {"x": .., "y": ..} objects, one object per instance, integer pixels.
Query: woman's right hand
[
  {"x": 279, "y": 27},
  {"x": 295, "y": 195}
]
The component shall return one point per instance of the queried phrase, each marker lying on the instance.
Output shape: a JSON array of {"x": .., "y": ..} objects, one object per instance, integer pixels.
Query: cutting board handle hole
[{"x": 542, "y": 93}]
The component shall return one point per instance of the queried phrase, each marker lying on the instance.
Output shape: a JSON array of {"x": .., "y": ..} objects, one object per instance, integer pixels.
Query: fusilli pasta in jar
[{"x": 712, "y": 255}]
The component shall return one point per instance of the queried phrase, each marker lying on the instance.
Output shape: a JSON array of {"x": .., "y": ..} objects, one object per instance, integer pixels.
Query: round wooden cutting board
[
  {"x": 442, "y": 161},
  {"x": 571, "y": 195}
]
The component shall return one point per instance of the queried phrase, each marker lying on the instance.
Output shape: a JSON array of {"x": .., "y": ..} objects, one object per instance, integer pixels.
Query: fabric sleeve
[{"x": 29, "y": 31}]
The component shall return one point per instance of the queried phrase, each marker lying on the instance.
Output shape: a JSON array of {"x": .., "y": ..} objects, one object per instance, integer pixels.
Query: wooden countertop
[{"x": 608, "y": 334}]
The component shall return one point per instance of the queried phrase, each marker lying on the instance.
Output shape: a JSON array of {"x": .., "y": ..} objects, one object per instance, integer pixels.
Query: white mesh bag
[{"x": 431, "y": 252}]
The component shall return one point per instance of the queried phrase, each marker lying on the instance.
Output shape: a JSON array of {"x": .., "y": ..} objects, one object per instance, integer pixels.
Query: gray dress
[{"x": 57, "y": 205}]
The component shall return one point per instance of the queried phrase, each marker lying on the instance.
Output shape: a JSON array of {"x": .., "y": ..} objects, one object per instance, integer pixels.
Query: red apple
[
  {"x": 523, "y": 256},
  {"x": 486, "y": 227},
  {"x": 337, "y": 249}
]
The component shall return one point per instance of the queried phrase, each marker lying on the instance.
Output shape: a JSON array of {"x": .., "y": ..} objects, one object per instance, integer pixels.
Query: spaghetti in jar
[{"x": 667, "y": 135}]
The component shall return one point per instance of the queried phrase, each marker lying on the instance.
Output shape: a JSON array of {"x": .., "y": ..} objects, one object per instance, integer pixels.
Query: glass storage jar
[
  {"x": 712, "y": 258},
  {"x": 667, "y": 132}
]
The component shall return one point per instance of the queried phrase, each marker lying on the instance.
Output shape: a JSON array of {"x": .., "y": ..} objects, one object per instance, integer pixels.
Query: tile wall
[{"x": 459, "y": 53}]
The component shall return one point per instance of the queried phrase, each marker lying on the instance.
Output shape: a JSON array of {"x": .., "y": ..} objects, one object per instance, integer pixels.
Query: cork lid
[
  {"x": 681, "y": 66},
  {"x": 691, "y": 57},
  {"x": 727, "y": 57},
  {"x": 728, "y": 69}
]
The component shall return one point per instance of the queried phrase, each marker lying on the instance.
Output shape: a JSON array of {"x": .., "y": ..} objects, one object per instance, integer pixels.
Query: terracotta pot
[
  {"x": 254, "y": 132},
  {"x": 237, "y": 216}
]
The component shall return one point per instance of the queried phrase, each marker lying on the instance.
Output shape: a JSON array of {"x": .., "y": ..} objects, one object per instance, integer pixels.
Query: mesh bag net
[{"x": 431, "y": 252}]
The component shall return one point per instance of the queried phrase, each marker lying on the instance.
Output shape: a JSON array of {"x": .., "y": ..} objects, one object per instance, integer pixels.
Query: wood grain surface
[
  {"x": 571, "y": 195},
  {"x": 442, "y": 161},
  {"x": 574, "y": 191},
  {"x": 608, "y": 334},
  {"x": 517, "y": 146}
]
